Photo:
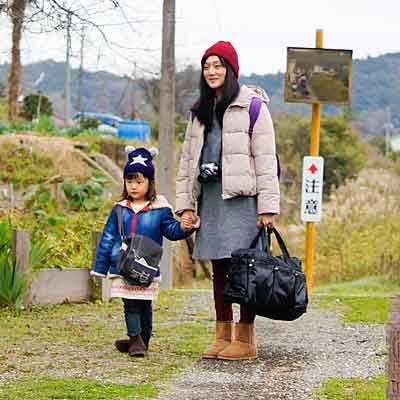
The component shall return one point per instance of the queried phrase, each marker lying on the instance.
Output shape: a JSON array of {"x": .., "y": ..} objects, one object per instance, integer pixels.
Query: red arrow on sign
[{"x": 313, "y": 169}]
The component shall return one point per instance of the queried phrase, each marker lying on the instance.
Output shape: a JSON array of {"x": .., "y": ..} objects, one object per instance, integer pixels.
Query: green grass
[
  {"x": 364, "y": 310},
  {"x": 365, "y": 301},
  {"x": 72, "y": 389},
  {"x": 353, "y": 389},
  {"x": 374, "y": 285},
  {"x": 75, "y": 342}
]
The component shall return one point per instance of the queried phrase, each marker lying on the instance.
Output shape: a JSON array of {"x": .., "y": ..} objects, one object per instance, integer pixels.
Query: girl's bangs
[{"x": 133, "y": 175}]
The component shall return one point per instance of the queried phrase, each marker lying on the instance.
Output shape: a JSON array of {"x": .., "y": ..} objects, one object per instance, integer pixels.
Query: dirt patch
[{"x": 60, "y": 150}]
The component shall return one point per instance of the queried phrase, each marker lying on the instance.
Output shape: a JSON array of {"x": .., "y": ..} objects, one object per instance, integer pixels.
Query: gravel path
[{"x": 294, "y": 359}]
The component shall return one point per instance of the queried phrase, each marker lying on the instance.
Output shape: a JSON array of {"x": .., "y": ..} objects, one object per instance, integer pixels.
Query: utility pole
[
  {"x": 80, "y": 76},
  {"x": 67, "y": 88},
  {"x": 166, "y": 161},
  {"x": 388, "y": 130}
]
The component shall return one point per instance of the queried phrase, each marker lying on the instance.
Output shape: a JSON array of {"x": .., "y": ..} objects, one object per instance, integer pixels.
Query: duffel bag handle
[
  {"x": 261, "y": 235},
  {"x": 281, "y": 243}
]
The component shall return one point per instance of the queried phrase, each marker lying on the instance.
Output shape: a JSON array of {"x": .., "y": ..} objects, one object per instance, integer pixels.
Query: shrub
[
  {"x": 45, "y": 124},
  {"x": 30, "y": 106},
  {"x": 340, "y": 145},
  {"x": 85, "y": 195},
  {"x": 88, "y": 123},
  {"x": 12, "y": 285}
]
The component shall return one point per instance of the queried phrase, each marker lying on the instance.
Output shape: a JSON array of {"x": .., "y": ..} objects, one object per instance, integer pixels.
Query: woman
[{"x": 231, "y": 179}]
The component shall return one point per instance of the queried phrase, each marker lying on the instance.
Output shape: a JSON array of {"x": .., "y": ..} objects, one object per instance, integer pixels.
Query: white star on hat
[{"x": 139, "y": 160}]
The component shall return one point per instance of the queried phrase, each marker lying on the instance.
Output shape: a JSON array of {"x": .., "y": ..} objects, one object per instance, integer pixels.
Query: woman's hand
[
  {"x": 266, "y": 220},
  {"x": 188, "y": 219}
]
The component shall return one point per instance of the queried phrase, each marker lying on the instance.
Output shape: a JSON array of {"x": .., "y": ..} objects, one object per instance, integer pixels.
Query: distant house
[
  {"x": 58, "y": 120},
  {"x": 395, "y": 142}
]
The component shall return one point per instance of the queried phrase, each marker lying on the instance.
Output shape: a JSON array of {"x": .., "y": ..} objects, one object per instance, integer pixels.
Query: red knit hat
[{"x": 226, "y": 51}]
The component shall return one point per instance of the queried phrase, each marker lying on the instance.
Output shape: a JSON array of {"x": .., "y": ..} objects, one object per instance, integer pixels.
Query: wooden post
[
  {"x": 101, "y": 286},
  {"x": 20, "y": 250},
  {"x": 12, "y": 195},
  {"x": 20, "y": 256},
  {"x": 166, "y": 162},
  {"x": 393, "y": 361},
  {"x": 314, "y": 151}
]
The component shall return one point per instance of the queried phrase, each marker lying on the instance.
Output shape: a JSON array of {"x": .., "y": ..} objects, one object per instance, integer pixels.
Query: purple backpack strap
[{"x": 254, "y": 111}]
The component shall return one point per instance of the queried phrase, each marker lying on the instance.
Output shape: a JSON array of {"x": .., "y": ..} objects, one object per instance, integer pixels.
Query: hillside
[{"x": 376, "y": 85}]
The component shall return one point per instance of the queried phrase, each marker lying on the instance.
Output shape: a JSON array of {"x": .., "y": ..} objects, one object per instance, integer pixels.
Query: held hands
[
  {"x": 189, "y": 220},
  {"x": 266, "y": 220}
]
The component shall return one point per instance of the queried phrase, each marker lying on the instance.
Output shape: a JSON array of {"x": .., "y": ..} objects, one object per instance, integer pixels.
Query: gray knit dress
[{"x": 226, "y": 225}]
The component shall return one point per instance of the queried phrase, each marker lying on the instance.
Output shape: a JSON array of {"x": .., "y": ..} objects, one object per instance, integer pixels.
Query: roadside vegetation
[
  {"x": 354, "y": 389},
  {"x": 363, "y": 301},
  {"x": 68, "y": 349}
]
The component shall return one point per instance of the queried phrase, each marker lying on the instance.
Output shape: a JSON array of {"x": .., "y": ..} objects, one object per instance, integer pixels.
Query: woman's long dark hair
[{"x": 204, "y": 106}]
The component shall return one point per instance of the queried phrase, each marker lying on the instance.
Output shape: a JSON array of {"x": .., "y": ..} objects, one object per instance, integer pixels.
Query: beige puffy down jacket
[{"x": 249, "y": 166}]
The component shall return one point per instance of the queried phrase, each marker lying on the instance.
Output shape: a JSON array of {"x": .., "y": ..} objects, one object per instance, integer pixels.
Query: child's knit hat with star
[{"x": 140, "y": 160}]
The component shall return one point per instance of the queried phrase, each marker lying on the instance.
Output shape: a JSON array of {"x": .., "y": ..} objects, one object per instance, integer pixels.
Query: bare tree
[
  {"x": 51, "y": 15},
  {"x": 17, "y": 11}
]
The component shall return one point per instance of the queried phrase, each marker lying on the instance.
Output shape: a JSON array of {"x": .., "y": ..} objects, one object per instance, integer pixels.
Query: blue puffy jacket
[{"x": 155, "y": 222}]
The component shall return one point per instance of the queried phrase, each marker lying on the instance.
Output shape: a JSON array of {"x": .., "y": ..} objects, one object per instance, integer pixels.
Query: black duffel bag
[{"x": 272, "y": 286}]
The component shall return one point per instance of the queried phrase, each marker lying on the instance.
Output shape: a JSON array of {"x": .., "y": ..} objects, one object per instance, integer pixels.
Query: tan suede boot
[
  {"x": 243, "y": 347},
  {"x": 223, "y": 338}
]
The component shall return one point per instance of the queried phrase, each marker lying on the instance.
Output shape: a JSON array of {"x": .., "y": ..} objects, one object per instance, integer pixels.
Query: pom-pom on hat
[
  {"x": 226, "y": 51},
  {"x": 140, "y": 160}
]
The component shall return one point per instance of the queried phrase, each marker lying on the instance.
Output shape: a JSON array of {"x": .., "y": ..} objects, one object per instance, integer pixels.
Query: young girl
[{"x": 143, "y": 213}]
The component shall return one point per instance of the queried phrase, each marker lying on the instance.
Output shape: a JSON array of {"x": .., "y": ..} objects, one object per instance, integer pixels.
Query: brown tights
[{"x": 223, "y": 309}]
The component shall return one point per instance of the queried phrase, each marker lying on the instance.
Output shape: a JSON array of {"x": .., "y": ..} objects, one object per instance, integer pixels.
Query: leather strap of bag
[
  {"x": 260, "y": 236},
  {"x": 120, "y": 222},
  {"x": 266, "y": 242},
  {"x": 281, "y": 243}
]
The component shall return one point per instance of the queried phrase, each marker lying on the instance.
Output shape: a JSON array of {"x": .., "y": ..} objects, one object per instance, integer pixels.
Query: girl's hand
[
  {"x": 189, "y": 215},
  {"x": 186, "y": 225},
  {"x": 266, "y": 220},
  {"x": 189, "y": 220}
]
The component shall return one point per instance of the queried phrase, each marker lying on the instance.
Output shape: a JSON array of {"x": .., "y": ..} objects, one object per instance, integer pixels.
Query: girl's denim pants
[{"x": 139, "y": 318}]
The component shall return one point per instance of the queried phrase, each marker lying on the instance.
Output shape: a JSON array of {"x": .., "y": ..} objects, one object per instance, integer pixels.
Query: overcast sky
[{"x": 260, "y": 30}]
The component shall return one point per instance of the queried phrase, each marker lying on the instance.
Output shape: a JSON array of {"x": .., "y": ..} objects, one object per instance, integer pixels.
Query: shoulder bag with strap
[{"x": 138, "y": 256}]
